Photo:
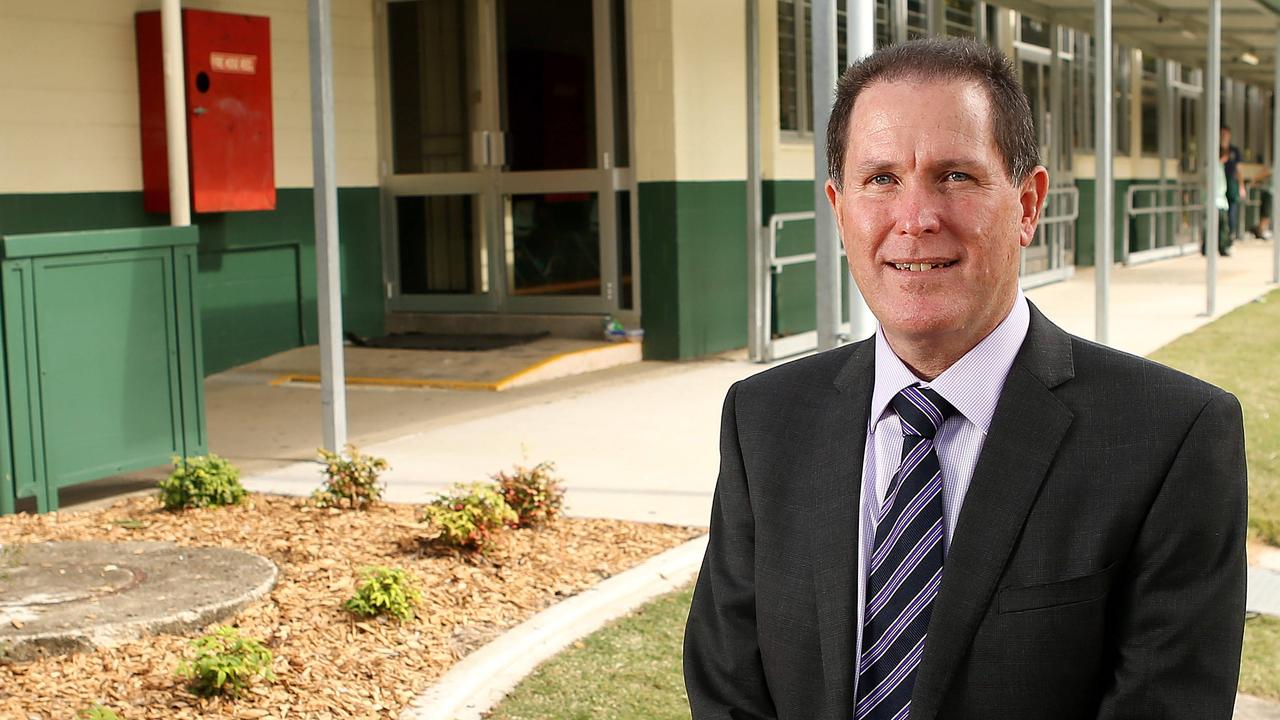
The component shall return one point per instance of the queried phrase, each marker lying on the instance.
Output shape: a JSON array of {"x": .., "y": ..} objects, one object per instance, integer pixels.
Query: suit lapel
[
  {"x": 837, "y": 481},
  {"x": 1026, "y": 430}
]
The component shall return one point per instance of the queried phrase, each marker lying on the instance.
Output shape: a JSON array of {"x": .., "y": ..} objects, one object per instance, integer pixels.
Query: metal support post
[
  {"x": 860, "y": 33},
  {"x": 823, "y": 74},
  {"x": 1212, "y": 123},
  {"x": 1104, "y": 193},
  {"x": 1275, "y": 169},
  {"x": 758, "y": 272},
  {"x": 175, "y": 113},
  {"x": 1058, "y": 145},
  {"x": 333, "y": 401}
]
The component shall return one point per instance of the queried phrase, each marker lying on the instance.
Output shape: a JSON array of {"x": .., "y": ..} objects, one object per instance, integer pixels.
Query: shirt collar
[{"x": 972, "y": 384}]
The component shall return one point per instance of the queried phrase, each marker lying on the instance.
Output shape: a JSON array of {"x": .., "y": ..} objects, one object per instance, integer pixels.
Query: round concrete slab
[{"x": 61, "y": 597}]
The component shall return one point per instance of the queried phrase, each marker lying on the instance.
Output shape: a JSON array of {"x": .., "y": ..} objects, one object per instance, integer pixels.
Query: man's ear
[
  {"x": 1035, "y": 187},
  {"x": 833, "y": 199}
]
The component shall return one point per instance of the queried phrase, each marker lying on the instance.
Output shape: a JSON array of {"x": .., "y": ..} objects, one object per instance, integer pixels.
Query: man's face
[
  {"x": 1225, "y": 135},
  {"x": 925, "y": 186}
]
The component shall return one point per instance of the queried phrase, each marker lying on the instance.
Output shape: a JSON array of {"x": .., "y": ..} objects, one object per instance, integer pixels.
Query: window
[
  {"x": 961, "y": 18},
  {"x": 789, "y": 72},
  {"x": 795, "y": 58},
  {"x": 1121, "y": 73},
  {"x": 1151, "y": 69},
  {"x": 1255, "y": 126},
  {"x": 917, "y": 19},
  {"x": 1033, "y": 32},
  {"x": 1082, "y": 94},
  {"x": 884, "y": 24}
]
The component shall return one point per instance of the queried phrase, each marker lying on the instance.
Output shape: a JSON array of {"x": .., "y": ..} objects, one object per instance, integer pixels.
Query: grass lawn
[
  {"x": 1260, "y": 665},
  {"x": 1241, "y": 353},
  {"x": 631, "y": 669}
]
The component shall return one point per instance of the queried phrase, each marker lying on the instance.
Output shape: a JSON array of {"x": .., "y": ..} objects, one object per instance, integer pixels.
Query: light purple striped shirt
[{"x": 973, "y": 386}]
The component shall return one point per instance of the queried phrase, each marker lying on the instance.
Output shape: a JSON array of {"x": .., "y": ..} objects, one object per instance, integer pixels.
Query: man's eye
[
  {"x": 881, "y": 179},
  {"x": 957, "y": 176}
]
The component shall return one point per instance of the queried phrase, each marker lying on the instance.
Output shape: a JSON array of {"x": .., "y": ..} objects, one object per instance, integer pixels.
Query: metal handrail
[
  {"x": 776, "y": 221},
  {"x": 1070, "y": 191},
  {"x": 1055, "y": 224},
  {"x": 804, "y": 341},
  {"x": 1173, "y": 211}
]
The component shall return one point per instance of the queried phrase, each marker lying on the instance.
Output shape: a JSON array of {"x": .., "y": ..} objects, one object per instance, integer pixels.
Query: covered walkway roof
[{"x": 1178, "y": 30}]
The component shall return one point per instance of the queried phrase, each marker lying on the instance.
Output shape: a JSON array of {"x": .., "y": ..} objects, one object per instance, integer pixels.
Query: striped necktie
[{"x": 906, "y": 563}]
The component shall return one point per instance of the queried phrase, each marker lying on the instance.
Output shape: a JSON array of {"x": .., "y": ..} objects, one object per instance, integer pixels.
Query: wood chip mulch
[{"x": 328, "y": 664}]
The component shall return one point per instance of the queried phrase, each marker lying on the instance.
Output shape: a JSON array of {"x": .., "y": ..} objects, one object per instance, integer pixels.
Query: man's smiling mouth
[{"x": 923, "y": 266}]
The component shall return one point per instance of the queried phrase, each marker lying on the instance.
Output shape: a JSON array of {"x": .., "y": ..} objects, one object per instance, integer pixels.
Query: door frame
[{"x": 492, "y": 185}]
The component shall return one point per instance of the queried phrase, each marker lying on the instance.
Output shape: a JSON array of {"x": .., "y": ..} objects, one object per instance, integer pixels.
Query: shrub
[
  {"x": 201, "y": 481},
  {"x": 385, "y": 591},
  {"x": 534, "y": 493},
  {"x": 350, "y": 478},
  {"x": 225, "y": 663},
  {"x": 468, "y": 517},
  {"x": 97, "y": 712}
]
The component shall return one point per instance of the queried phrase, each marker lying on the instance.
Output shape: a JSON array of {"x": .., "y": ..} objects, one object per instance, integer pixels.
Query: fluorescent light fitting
[{"x": 1248, "y": 58}]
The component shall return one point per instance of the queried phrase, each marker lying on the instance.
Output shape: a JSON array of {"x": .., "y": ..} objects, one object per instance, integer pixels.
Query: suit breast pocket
[{"x": 1044, "y": 596}]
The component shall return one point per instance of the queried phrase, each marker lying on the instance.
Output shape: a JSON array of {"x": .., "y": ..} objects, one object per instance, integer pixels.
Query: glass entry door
[{"x": 504, "y": 132}]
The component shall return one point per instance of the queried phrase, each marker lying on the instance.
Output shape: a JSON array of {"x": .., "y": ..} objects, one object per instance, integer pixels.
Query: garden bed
[{"x": 328, "y": 664}]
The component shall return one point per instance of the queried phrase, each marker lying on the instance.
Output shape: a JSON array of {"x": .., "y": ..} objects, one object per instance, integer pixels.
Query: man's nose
[{"x": 920, "y": 210}]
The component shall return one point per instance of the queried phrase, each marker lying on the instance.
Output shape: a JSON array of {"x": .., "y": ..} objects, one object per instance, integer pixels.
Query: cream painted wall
[
  {"x": 68, "y": 75},
  {"x": 653, "y": 90},
  {"x": 710, "y": 81},
  {"x": 689, "y": 79}
]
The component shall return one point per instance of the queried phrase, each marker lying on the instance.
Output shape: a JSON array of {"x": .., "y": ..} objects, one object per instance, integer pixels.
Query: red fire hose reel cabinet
[{"x": 227, "y": 71}]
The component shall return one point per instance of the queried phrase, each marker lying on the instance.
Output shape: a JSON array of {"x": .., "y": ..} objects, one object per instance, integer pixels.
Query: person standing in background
[{"x": 1231, "y": 166}]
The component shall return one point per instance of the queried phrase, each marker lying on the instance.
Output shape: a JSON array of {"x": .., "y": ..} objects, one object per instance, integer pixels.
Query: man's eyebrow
[
  {"x": 870, "y": 167},
  {"x": 959, "y": 162},
  {"x": 875, "y": 166}
]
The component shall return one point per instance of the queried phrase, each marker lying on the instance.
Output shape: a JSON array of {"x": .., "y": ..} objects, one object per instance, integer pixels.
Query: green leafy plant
[
  {"x": 533, "y": 492},
  {"x": 225, "y": 663},
  {"x": 201, "y": 481},
  {"x": 97, "y": 712},
  {"x": 468, "y": 517},
  {"x": 350, "y": 478},
  {"x": 385, "y": 591}
]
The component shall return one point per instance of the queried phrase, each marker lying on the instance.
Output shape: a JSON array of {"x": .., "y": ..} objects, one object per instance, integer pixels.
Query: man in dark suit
[{"x": 972, "y": 514}]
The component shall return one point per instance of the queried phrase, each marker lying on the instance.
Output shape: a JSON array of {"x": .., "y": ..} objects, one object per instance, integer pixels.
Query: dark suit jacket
[{"x": 1096, "y": 570}]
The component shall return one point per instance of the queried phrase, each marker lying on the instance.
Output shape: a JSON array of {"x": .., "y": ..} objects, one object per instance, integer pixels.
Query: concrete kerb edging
[{"x": 479, "y": 681}]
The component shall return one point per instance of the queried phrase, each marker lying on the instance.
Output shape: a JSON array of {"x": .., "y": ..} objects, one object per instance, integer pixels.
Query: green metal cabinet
[{"x": 102, "y": 363}]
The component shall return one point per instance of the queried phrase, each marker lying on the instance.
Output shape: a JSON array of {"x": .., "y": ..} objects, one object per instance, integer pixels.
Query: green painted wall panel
[
  {"x": 1085, "y": 223},
  {"x": 659, "y": 270},
  {"x": 712, "y": 226},
  {"x": 693, "y": 261},
  {"x": 99, "y": 349},
  {"x": 106, "y": 311},
  {"x": 264, "y": 279},
  {"x": 795, "y": 287},
  {"x": 240, "y": 252}
]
